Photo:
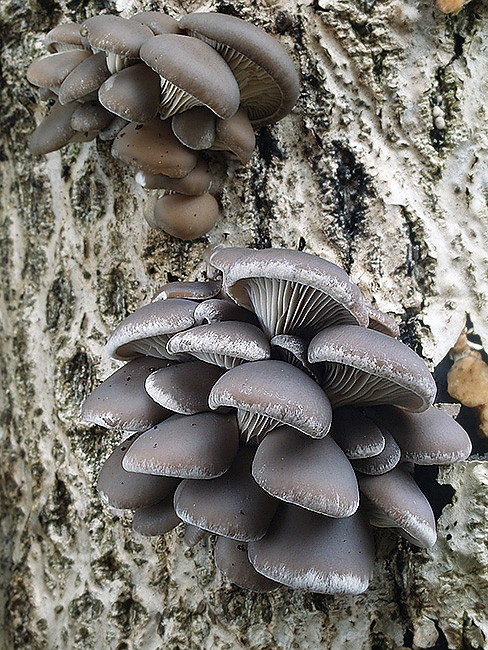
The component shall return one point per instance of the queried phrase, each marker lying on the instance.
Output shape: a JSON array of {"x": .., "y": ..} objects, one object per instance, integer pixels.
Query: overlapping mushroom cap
[{"x": 256, "y": 454}]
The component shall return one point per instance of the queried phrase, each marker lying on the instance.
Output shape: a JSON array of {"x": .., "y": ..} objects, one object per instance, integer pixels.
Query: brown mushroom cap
[
  {"x": 85, "y": 80},
  {"x": 195, "y": 128},
  {"x": 188, "y": 290},
  {"x": 63, "y": 37},
  {"x": 201, "y": 446},
  {"x": 313, "y": 474},
  {"x": 146, "y": 331},
  {"x": 90, "y": 117},
  {"x": 50, "y": 70},
  {"x": 232, "y": 505},
  {"x": 54, "y": 131},
  {"x": 395, "y": 501},
  {"x": 236, "y": 135},
  {"x": 356, "y": 434},
  {"x": 269, "y": 393},
  {"x": 132, "y": 93},
  {"x": 153, "y": 148},
  {"x": 361, "y": 366},
  {"x": 231, "y": 559},
  {"x": 116, "y": 35},
  {"x": 122, "y": 489},
  {"x": 198, "y": 181},
  {"x": 113, "y": 129},
  {"x": 194, "y": 75},
  {"x": 121, "y": 400},
  {"x": 224, "y": 343},
  {"x": 186, "y": 217},
  {"x": 157, "y": 519},
  {"x": 265, "y": 73},
  {"x": 305, "y": 550},
  {"x": 157, "y": 22}
]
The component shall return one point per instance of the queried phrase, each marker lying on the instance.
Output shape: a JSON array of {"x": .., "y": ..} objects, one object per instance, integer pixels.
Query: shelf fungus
[
  {"x": 268, "y": 411},
  {"x": 177, "y": 97}
]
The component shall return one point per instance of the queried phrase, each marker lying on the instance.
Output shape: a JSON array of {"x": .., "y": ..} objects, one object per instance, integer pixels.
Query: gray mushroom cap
[
  {"x": 153, "y": 148},
  {"x": 185, "y": 217},
  {"x": 183, "y": 388},
  {"x": 50, "y": 70},
  {"x": 201, "y": 446},
  {"x": 382, "y": 322},
  {"x": 232, "y": 505},
  {"x": 313, "y": 474},
  {"x": 193, "y": 73},
  {"x": 195, "y": 128},
  {"x": 157, "y": 519},
  {"x": 196, "y": 182},
  {"x": 224, "y": 343},
  {"x": 305, "y": 550},
  {"x": 361, "y": 366},
  {"x": 63, "y": 37},
  {"x": 85, "y": 80},
  {"x": 357, "y": 435},
  {"x": 235, "y": 135},
  {"x": 158, "y": 22},
  {"x": 427, "y": 438},
  {"x": 266, "y": 75},
  {"x": 54, "y": 131},
  {"x": 132, "y": 93},
  {"x": 122, "y": 489},
  {"x": 193, "y": 535},
  {"x": 293, "y": 349},
  {"x": 90, "y": 117},
  {"x": 113, "y": 129},
  {"x": 396, "y": 501},
  {"x": 269, "y": 393},
  {"x": 188, "y": 290},
  {"x": 146, "y": 331},
  {"x": 291, "y": 292},
  {"x": 383, "y": 462},
  {"x": 121, "y": 400},
  {"x": 217, "y": 309},
  {"x": 231, "y": 559}
]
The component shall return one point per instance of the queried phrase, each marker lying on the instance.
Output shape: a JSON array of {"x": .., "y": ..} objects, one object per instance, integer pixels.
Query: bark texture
[{"x": 359, "y": 174}]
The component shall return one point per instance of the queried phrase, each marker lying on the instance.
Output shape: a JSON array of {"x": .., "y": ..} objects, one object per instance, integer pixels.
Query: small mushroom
[
  {"x": 113, "y": 129},
  {"x": 156, "y": 519},
  {"x": 54, "y": 131},
  {"x": 85, "y": 80},
  {"x": 188, "y": 290},
  {"x": 186, "y": 217},
  {"x": 193, "y": 535},
  {"x": 383, "y": 462},
  {"x": 382, "y": 322},
  {"x": 90, "y": 117},
  {"x": 293, "y": 349},
  {"x": 217, "y": 309},
  {"x": 231, "y": 559},
  {"x": 235, "y": 135},
  {"x": 356, "y": 434},
  {"x": 197, "y": 182},
  {"x": 157, "y": 22},
  {"x": 132, "y": 93},
  {"x": 50, "y": 70},
  {"x": 195, "y": 128},
  {"x": 63, "y": 37}
]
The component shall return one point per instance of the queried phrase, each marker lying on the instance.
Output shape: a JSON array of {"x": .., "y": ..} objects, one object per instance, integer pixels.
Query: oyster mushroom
[
  {"x": 188, "y": 290},
  {"x": 195, "y": 128},
  {"x": 156, "y": 519},
  {"x": 50, "y": 70},
  {"x": 231, "y": 559},
  {"x": 186, "y": 217},
  {"x": 85, "y": 80},
  {"x": 63, "y": 37},
  {"x": 132, "y": 93},
  {"x": 198, "y": 181}
]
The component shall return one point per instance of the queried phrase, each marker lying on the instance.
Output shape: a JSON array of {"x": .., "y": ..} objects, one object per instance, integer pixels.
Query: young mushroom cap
[
  {"x": 183, "y": 388},
  {"x": 236, "y": 135},
  {"x": 291, "y": 292},
  {"x": 395, "y": 501},
  {"x": 193, "y": 74},
  {"x": 264, "y": 71},
  {"x": 85, "y": 80},
  {"x": 122, "y": 489},
  {"x": 305, "y": 550},
  {"x": 132, "y": 93},
  {"x": 121, "y": 400},
  {"x": 113, "y": 129},
  {"x": 153, "y": 148},
  {"x": 55, "y": 130},
  {"x": 63, "y": 37},
  {"x": 361, "y": 366},
  {"x": 195, "y": 128},
  {"x": 269, "y": 393},
  {"x": 90, "y": 117},
  {"x": 293, "y": 349},
  {"x": 197, "y": 182},
  {"x": 157, "y": 519},
  {"x": 231, "y": 559},
  {"x": 383, "y": 462},
  {"x": 428, "y": 438},
  {"x": 188, "y": 290},
  {"x": 50, "y": 70},
  {"x": 356, "y": 434},
  {"x": 313, "y": 474},
  {"x": 217, "y": 309},
  {"x": 232, "y": 505},
  {"x": 186, "y": 217},
  {"x": 225, "y": 343},
  {"x": 158, "y": 22},
  {"x": 193, "y": 535},
  {"x": 146, "y": 331},
  {"x": 382, "y": 322},
  {"x": 201, "y": 446}
]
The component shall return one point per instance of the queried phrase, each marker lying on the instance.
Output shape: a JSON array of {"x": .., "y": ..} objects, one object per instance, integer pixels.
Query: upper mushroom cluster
[
  {"x": 165, "y": 92},
  {"x": 272, "y": 407}
]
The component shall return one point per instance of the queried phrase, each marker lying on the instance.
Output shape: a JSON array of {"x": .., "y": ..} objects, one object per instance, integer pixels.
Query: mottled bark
[{"x": 359, "y": 174}]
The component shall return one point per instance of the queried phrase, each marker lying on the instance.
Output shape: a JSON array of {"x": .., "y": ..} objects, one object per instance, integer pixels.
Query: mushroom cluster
[
  {"x": 272, "y": 407},
  {"x": 166, "y": 92}
]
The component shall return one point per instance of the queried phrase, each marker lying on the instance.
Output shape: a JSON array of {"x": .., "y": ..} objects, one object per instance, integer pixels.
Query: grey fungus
[
  {"x": 382, "y": 322},
  {"x": 90, "y": 117},
  {"x": 218, "y": 309},
  {"x": 50, "y": 70},
  {"x": 232, "y": 560},
  {"x": 184, "y": 216},
  {"x": 132, "y": 93},
  {"x": 157, "y": 22},
  {"x": 195, "y": 128},
  {"x": 198, "y": 181},
  {"x": 235, "y": 135},
  {"x": 54, "y": 131},
  {"x": 85, "y": 80},
  {"x": 188, "y": 290},
  {"x": 63, "y": 37},
  {"x": 357, "y": 435},
  {"x": 156, "y": 519}
]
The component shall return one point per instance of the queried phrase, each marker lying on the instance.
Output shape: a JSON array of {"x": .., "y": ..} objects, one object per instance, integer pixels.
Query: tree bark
[{"x": 360, "y": 174}]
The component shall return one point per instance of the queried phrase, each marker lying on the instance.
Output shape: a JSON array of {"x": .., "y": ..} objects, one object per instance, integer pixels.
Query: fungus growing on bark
[{"x": 276, "y": 472}]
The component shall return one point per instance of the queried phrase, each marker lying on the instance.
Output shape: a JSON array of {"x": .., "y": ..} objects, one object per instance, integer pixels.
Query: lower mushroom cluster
[{"x": 272, "y": 407}]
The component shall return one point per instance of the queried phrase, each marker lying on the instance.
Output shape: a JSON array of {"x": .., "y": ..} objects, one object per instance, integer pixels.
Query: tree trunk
[{"x": 361, "y": 174}]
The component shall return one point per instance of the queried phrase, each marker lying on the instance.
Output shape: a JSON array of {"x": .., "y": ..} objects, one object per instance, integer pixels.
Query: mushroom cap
[
  {"x": 195, "y": 72},
  {"x": 356, "y": 434},
  {"x": 195, "y": 128},
  {"x": 217, "y": 309},
  {"x": 313, "y": 474},
  {"x": 157, "y": 22},
  {"x": 197, "y": 182},
  {"x": 157, "y": 519},
  {"x": 383, "y": 462},
  {"x": 63, "y": 37},
  {"x": 305, "y": 550},
  {"x": 236, "y": 135},
  {"x": 54, "y": 131},
  {"x": 50, "y": 70},
  {"x": 231, "y": 559},
  {"x": 113, "y": 129},
  {"x": 188, "y": 290},
  {"x": 232, "y": 505},
  {"x": 122, "y": 489},
  {"x": 265, "y": 73},
  {"x": 396, "y": 501},
  {"x": 186, "y": 217},
  {"x": 153, "y": 148},
  {"x": 224, "y": 343},
  {"x": 121, "y": 400},
  {"x": 201, "y": 446},
  {"x": 361, "y": 366},
  {"x": 115, "y": 34},
  {"x": 85, "y": 79},
  {"x": 293, "y": 349},
  {"x": 278, "y": 391},
  {"x": 382, "y": 322},
  {"x": 428, "y": 438},
  {"x": 184, "y": 388},
  {"x": 132, "y": 93},
  {"x": 90, "y": 117},
  {"x": 291, "y": 292},
  {"x": 193, "y": 535},
  {"x": 146, "y": 330}
]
